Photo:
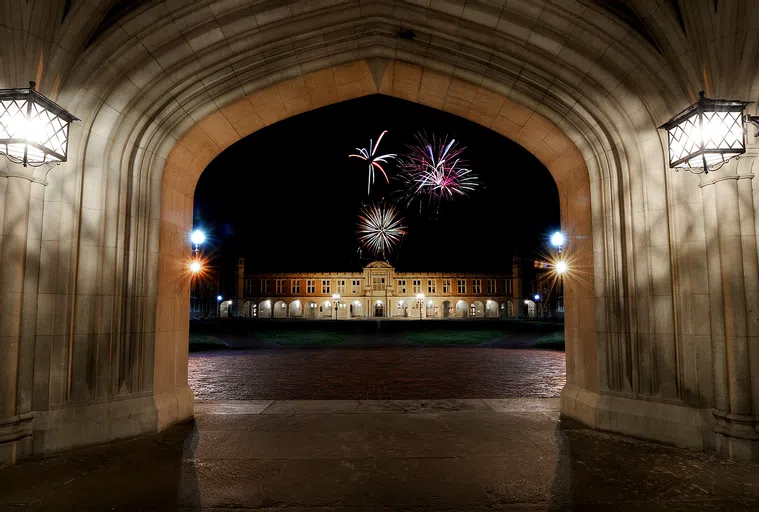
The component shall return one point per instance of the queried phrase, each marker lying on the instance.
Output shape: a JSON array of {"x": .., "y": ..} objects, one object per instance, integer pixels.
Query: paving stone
[
  {"x": 522, "y": 404},
  {"x": 387, "y": 373},
  {"x": 236, "y": 407},
  {"x": 310, "y": 406},
  {"x": 443, "y": 461},
  {"x": 420, "y": 406},
  {"x": 420, "y": 422}
]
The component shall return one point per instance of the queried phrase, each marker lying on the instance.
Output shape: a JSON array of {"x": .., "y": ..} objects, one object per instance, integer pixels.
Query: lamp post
[
  {"x": 336, "y": 298},
  {"x": 34, "y": 130},
  {"x": 704, "y": 136},
  {"x": 197, "y": 237},
  {"x": 420, "y": 298},
  {"x": 557, "y": 240}
]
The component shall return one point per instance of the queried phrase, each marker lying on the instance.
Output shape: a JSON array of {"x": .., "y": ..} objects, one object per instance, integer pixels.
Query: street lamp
[
  {"x": 336, "y": 298},
  {"x": 33, "y": 129},
  {"x": 195, "y": 267},
  {"x": 197, "y": 237},
  {"x": 557, "y": 240},
  {"x": 420, "y": 298},
  {"x": 707, "y": 134}
]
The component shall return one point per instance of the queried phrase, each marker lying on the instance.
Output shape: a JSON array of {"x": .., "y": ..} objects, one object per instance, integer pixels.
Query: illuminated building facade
[{"x": 379, "y": 291}]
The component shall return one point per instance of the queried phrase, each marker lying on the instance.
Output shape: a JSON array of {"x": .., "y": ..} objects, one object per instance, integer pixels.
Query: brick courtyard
[{"x": 388, "y": 373}]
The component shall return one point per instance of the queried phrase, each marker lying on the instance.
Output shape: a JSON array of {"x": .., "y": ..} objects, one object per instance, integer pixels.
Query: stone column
[
  {"x": 728, "y": 198},
  {"x": 21, "y": 226}
]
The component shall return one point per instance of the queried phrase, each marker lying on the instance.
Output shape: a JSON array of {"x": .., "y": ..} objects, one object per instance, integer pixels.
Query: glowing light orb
[
  {"x": 198, "y": 237},
  {"x": 218, "y": 297},
  {"x": 557, "y": 239},
  {"x": 561, "y": 266},
  {"x": 195, "y": 267}
]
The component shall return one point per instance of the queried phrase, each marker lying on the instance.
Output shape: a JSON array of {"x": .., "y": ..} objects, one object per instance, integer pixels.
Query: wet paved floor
[
  {"x": 376, "y": 373},
  {"x": 382, "y": 456}
]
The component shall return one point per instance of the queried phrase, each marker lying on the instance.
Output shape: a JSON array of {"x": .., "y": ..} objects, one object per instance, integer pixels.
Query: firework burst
[
  {"x": 374, "y": 160},
  {"x": 433, "y": 171},
  {"x": 380, "y": 228}
]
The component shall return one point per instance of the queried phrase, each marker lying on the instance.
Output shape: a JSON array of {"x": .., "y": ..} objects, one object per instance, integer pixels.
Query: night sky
[{"x": 287, "y": 197}]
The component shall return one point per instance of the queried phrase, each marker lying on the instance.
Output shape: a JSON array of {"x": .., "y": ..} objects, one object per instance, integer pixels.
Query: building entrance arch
[
  {"x": 104, "y": 238},
  {"x": 379, "y": 309},
  {"x": 446, "y": 309}
]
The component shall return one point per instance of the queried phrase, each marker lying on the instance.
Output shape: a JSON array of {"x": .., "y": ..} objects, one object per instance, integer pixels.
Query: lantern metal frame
[
  {"x": 698, "y": 110},
  {"x": 32, "y": 97}
]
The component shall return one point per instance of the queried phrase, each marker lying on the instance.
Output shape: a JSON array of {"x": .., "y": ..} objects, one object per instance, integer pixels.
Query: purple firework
[{"x": 433, "y": 171}]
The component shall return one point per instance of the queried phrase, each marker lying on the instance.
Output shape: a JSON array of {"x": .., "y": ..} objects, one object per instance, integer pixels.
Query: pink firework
[
  {"x": 434, "y": 170},
  {"x": 374, "y": 160}
]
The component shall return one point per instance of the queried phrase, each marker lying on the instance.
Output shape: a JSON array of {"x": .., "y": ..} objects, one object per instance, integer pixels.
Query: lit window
[
  {"x": 431, "y": 286},
  {"x": 401, "y": 286},
  {"x": 280, "y": 284},
  {"x": 325, "y": 286},
  {"x": 446, "y": 286},
  {"x": 476, "y": 286},
  {"x": 461, "y": 284},
  {"x": 310, "y": 286},
  {"x": 295, "y": 287},
  {"x": 416, "y": 286},
  {"x": 356, "y": 286},
  {"x": 341, "y": 286},
  {"x": 378, "y": 284}
]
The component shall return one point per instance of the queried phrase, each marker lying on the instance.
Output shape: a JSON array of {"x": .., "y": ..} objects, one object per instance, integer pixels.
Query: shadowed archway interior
[{"x": 660, "y": 337}]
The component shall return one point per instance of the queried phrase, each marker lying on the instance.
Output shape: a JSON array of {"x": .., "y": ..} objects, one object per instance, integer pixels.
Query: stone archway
[
  {"x": 295, "y": 309},
  {"x": 95, "y": 248},
  {"x": 265, "y": 309},
  {"x": 279, "y": 309},
  {"x": 491, "y": 309},
  {"x": 378, "y": 309},
  {"x": 462, "y": 309},
  {"x": 446, "y": 309}
]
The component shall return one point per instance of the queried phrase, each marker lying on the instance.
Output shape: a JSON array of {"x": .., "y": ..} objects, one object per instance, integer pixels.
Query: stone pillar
[
  {"x": 732, "y": 261},
  {"x": 21, "y": 227}
]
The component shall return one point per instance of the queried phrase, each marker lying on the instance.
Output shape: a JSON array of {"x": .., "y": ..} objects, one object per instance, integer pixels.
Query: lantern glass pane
[
  {"x": 38, "y": 133},
  {"x": 714, "y": 136},
  {"x": 722, "y": 131},
  {"x": 684, "y": 140}
]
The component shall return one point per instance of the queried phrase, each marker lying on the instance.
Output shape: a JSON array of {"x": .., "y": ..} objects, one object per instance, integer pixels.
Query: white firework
[{"x": 380, "y": 228}]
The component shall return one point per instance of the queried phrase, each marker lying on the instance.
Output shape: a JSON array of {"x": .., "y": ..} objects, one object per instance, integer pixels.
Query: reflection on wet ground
[{"x": 376, "y": 373}]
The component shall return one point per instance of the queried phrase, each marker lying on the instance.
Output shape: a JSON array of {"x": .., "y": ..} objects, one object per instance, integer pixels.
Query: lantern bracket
[{"x": 753, "y": 120}]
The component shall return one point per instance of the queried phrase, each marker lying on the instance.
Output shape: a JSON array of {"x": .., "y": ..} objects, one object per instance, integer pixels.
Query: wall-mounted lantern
[
  {"x": 707, "y": 134},
  {"x": 33, "y": 129}
]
